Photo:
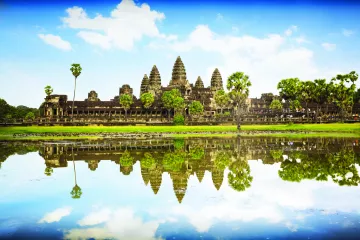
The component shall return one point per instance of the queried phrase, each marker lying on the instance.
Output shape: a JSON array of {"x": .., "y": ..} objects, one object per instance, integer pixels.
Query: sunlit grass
[{"x": 333, "y": 127}]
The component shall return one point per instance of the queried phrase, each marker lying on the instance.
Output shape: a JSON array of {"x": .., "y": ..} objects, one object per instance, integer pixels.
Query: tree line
[{"x": 9, "y": 113}]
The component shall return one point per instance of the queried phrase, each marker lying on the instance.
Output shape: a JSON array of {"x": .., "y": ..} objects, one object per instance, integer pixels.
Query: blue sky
[{"x": 269, "y": 42}]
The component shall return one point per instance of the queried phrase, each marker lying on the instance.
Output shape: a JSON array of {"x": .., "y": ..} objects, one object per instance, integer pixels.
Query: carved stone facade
[{"x": 58, "y": 108}]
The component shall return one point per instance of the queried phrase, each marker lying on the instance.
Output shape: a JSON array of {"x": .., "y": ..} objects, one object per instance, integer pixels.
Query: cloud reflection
[
  {"x": 56, "y": 215},
  {"x": 120, "y": 224}
]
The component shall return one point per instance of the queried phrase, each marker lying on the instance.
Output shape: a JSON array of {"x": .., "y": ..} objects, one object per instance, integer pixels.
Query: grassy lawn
[
  {"x": 315, "y": 130},
  {"x": 334, "y": 127}
]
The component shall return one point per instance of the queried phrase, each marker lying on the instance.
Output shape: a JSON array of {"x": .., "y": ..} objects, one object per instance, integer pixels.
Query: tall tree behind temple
[
  {"x": 238, "y": 84},
  {"x": 76, "y": 71},
  {"x": 307, "y": 93},
  {"x": 290, "y": 90},
  {"x": 321, "y": 94},
  {"x": 344, "y": 95},
  {"x": 222, "y": 99}
]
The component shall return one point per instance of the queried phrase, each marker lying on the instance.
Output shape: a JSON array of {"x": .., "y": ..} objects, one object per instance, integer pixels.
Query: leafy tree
[
  {"x": 239, "y": 177},
  {"x": 173, "y": 161},
  {"x": 222, "y": 99},
  {"x": 276, "y": 105},
  {"x": 222, "y": 160},
  {"x": 340, "y": 166},
  {"x": 321, "y": 94},
  {"x": 307, "y": 94},
  {"x": 294, "y": 105},
  {"x": 170, "y": 99},
  {"x": 8, "y": 118},
  {"x": 238, "y": 85},
  {"x": 48, "y": 90},
  {"x": 267, "y": 97},
  {"x": 148, "y": 161},
  {"x": 126, "y": 160},
  {"x": 147, "y": 100},
  {"x": 344, "y": 95},
  {"x": 179, "y": 144},
  {"x": 178, "y": 105},
  {"x": 290, "y": 90},
  {"x": 125, "y": 101},
  {"x": 276, "y": 155},
  {"x": 197, "y": 152},
  {"x": 48, "y": 171},
  {"x": 30, "y": 116},
  {"x": 5, "y": 108},
  {"x": 196, "y": 108},
  {"x": 76, "y": 71}
]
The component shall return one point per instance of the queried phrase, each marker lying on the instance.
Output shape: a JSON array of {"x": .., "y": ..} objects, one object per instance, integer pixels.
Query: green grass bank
[{"x": 333, "y": 127}]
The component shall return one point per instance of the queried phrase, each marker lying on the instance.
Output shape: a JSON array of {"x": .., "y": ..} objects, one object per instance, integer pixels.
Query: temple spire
[
  {"x": 216, "y": 80},
  {"x": 154, "y": 79},
  {"x": 199, "y": 83},
  {"x": 144, "y": 85},
  {"x": 178, "y": 73}
]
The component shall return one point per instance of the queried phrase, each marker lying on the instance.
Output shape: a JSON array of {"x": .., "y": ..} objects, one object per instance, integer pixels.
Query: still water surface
[{"x": 222, "y": 188}]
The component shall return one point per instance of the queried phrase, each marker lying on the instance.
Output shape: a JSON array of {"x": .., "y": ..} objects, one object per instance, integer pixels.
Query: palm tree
[
  {"x": 238, "y": 85},
  {"x": 76, "y": 191},
  {"x": 48, "y": 90},
  {"x": 48, "y": 171},
  {"x": 76, "y": 71}
]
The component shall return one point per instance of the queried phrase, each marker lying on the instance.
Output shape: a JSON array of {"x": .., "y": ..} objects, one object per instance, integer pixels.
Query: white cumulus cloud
[
  {"x": 126, "y": 24},
  {"x": 55, "y": 41},
  {"x": 266, "y": 60},
  {"x": 56, "y": 215},
  {"x": 329, "y": 46}
]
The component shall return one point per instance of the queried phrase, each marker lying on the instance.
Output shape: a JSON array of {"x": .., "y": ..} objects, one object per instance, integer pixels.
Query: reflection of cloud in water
[
  {"x": 95, "y": 218},
  {"x": 56, "y": 215},
  {"x": 119, "y": 224},
  {"x": 269, "y": 198}
]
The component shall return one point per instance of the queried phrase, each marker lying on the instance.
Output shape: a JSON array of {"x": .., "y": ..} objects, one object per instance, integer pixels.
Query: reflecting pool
[{"x": 206, "y": 188}]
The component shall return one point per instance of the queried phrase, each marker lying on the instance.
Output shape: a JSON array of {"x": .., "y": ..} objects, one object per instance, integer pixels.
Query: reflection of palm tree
[
  {"x": 239, "y": 177},
  {"x": 76, "y": 191},
  {"x": 48, "y": 171}
]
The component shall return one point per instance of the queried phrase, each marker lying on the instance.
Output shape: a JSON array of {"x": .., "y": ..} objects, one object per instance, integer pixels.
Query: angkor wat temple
[{"x": 57, "y": 108}]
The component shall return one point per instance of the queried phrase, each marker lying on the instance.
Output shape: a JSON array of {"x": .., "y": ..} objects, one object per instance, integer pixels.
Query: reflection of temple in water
[{"x": 179, "y": 158}]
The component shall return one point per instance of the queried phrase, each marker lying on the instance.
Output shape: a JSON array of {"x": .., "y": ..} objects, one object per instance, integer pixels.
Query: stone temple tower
[
  {"x": 154, "y": 81},
  {"x": 178, "y": 74},
  {"x": 216, "y": 81},
  {"x": 144, "y": 85},
  {"x": 199, "y": 83}
]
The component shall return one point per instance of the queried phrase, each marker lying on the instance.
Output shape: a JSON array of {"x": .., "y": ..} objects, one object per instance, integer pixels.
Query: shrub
[{"x": 179, "y": 119}]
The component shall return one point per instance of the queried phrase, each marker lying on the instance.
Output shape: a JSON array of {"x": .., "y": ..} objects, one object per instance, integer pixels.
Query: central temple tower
[{"x": 178, "y": 74}]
